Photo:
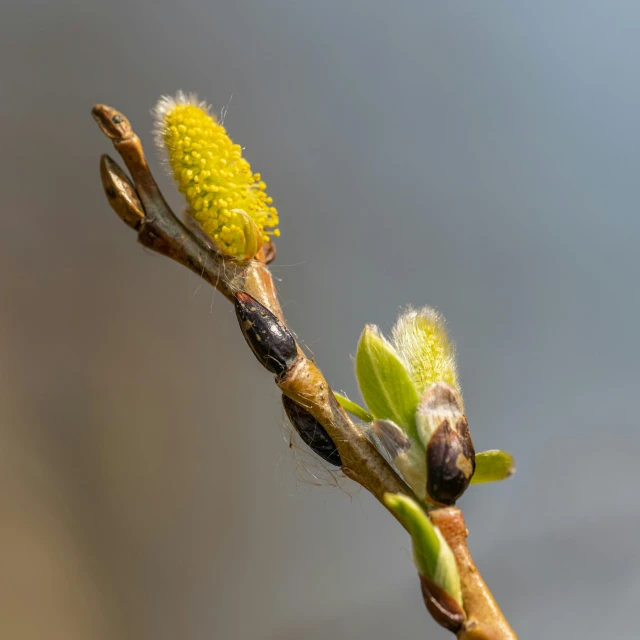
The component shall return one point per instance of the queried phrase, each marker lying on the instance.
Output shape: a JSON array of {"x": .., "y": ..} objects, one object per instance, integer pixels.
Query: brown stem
[
  {"x": 485, "y": 620},
  {"x": 141, "y": 206},
  {"x": 304, "y": 383},
  {"x": 161, "y": 231}
]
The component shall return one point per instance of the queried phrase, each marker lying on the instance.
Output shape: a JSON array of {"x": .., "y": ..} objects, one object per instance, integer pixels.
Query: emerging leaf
[
  {"x": 385, "y": 383},
  {"x": 431, "y": 553},
  {"x": 446, "y": 573},
  {"x": 353, "y": 408},
  {"x": 492, "y": 466}
]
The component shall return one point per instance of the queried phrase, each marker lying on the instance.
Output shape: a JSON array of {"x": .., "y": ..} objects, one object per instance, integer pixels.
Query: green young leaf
[
  {"x": 353, "y": 408},
  {"x": 446, "y": 574},
  {"x": 492, "y": 466},
  {"x": 385, "y": 383},
  {"x": 431, "y": 553},
  {"x": 426, "y": 543}
]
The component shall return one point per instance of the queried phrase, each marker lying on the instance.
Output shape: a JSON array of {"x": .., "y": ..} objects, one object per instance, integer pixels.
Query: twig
[
  {"x": 142, "y": 207},
  {"x": 484, "y": 620},
  {"x": 160, "y": 230}
]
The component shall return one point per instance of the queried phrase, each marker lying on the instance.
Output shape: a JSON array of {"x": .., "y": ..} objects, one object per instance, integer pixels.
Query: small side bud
[
  {"x": 442, "y": 427},
  {"x": 121, "y": 193},
  {"x": 313, "y": 434},
  {"x": 112, "y": 123},
  {"x": 269, "y": 339}
]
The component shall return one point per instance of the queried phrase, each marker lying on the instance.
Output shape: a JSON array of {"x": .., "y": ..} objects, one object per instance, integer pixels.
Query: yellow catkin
[
  {"x": 421, "y": 337},
  {"x": 212, "y": 174}
]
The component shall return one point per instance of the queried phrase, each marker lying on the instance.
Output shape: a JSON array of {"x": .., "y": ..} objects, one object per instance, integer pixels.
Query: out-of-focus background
[{"x": 482, "y": 157}]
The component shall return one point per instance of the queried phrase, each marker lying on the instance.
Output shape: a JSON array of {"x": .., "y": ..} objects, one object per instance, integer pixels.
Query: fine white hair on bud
[
  {"x": 420, "y": 336},
  {"x": 165, "y": 105},
  {"x": 224, "y": 196},
  {"x": 438, "y": 403}
]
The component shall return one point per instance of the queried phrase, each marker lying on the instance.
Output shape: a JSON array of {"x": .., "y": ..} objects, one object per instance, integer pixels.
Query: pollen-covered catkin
[{"x": 216, "y": 180}]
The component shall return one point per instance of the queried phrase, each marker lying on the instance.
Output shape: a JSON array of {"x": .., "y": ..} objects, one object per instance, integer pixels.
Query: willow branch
[{"x": 140, "y": 204}]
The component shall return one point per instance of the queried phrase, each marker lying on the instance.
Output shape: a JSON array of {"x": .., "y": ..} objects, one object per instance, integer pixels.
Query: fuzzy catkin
[
  {"x": 421, "y": 338},
  {"x": 216, "y": 180}
]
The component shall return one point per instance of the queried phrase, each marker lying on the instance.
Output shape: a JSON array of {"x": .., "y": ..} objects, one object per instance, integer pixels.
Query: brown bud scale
[
  {"x": 451, "y": 461},
  {"x": 267, "y": 336},
  {"x": 444, "y": 609},
  {"x": 313, "y": 434}
]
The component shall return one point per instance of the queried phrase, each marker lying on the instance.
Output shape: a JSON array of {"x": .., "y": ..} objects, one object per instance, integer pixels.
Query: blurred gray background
[{"x": 482, "y": 157}]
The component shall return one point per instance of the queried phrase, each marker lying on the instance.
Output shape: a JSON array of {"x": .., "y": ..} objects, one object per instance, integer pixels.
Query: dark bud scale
[
  {"x": 268, "y": 338},
  {"x": 443, "y": 607},
  {"x": 451, "y": 461},
  {"x": 313, "y": 434}
]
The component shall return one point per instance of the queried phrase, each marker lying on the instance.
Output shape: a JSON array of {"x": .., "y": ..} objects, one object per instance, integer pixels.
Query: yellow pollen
[{"x": 206, "y": 164}]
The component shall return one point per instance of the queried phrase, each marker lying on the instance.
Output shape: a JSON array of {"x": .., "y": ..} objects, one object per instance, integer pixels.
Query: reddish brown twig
[{"x": 485, "y": 620}]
